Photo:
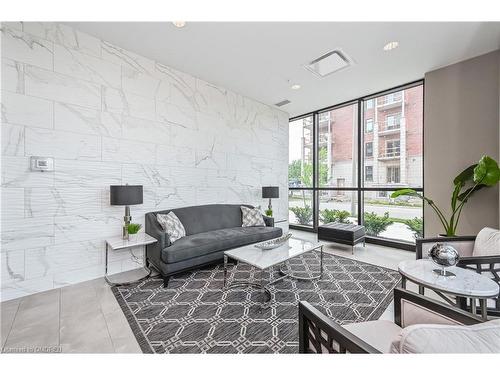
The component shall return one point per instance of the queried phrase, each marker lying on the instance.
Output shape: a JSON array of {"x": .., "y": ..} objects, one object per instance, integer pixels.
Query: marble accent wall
[{"x": 110, "y": 116}]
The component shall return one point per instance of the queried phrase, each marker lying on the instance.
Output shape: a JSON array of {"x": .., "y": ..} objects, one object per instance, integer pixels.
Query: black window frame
[{"x": 360, "y": 188}]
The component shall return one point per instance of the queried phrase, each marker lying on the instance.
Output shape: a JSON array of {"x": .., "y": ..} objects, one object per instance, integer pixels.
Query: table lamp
[
  {"x": 270, "y": 192},
  {"x": 125, "y": 195}
]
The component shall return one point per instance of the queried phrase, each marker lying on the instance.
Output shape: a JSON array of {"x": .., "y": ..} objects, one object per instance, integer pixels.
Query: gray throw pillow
[
  {"x": 172, "y": 225},
  {"x": 251, "y": 217}
]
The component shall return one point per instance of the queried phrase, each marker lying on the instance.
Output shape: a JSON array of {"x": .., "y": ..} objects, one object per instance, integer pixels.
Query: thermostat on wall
[{"x": 42, "y": 164}]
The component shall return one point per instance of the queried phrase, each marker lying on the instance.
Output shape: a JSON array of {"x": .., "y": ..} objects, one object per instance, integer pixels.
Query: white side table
[
  {"x": 118, "y": 243},
  {"x": 465, "y": 283}
]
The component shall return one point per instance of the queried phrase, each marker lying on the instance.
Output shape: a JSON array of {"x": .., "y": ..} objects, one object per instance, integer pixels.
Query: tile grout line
[
  {"x": 59, "y": 330},
  {"x": 12, "y": 325},
  {"x": 104, "y": 317}
]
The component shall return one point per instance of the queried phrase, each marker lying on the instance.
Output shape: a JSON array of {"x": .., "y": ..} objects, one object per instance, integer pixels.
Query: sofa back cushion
[
  {"x": 487, "y": 242},
  {"x": 437, "y": 338},
  {"x": 251, "y": 217},
  {"x": 199, "y": 219},
  {"x": 172, "y": 226}
]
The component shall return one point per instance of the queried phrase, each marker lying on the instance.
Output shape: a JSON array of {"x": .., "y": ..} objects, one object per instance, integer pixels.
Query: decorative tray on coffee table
[{"x": 274, "y": 243}]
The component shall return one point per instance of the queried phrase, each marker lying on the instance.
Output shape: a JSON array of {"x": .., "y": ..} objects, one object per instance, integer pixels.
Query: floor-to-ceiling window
[
  {"x": 300, "y": 171},
  {"x": 345, "y": 161},
  {"x": 338, "y": 164}
]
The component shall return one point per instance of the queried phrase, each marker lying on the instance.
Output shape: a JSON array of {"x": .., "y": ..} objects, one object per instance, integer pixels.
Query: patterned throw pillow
[
  {"x": 172, "y": 225},
  {"x": 251, "y": 217}
]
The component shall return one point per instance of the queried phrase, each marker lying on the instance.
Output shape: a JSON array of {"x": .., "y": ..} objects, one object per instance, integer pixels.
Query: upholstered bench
[{"x": 345, "y": 234}]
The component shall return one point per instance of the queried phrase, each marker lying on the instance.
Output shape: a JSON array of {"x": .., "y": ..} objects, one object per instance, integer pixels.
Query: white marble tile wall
[{"x": 110, "y": 116}]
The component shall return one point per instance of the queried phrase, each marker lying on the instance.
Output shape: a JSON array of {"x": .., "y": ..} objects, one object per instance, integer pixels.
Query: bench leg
[
  {"x": 352, "y": 249},
  {"x": 165, "y": 281}
]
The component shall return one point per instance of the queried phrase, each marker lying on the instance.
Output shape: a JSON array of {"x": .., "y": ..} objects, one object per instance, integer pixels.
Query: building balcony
[
  {"x": 324, "y": 124},
  {"x": 385, "y": 127},
  {"x": 390, "y": 154},
  {"x": 307, "y": 143},
  {"x": 390, "y": 101}
]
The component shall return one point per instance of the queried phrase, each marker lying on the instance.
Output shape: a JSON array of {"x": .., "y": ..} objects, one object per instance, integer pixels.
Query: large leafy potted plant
[{"x": 476, "y": 177}]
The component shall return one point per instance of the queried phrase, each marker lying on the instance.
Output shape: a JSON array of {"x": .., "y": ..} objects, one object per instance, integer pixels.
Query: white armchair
[{"x": 421, "y": 325}]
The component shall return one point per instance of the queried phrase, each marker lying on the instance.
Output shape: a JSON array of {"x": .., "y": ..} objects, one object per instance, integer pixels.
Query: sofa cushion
[
  {"x": 218, "y": 240},
  {"x": 251, "y": 217},
  {"x": 378, "y": 333},
  {"x": 487, "y": 242},
  {"x": 172, "y": 226},
  {"x": 438, "y": 338}
]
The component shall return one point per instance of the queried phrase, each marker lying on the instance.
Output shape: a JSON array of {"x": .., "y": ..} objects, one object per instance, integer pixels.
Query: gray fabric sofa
[{"x": 210, "y": 230}]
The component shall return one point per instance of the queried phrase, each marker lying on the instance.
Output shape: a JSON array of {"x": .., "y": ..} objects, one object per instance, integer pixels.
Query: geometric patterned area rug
[{"x": 195, "y": 315}]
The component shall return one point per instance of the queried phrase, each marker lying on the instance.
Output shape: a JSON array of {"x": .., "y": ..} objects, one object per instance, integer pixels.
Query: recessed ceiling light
[
  {"x": 295, "y": 87},
  {"x": 391, "y": 45},
  {"x": 179, "y": 24}
]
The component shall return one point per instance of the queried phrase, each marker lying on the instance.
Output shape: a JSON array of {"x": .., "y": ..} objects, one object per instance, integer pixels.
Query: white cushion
[
  {"x": 172, "y": 225},
  {"x": 487, "y": 242},
  {"x": 251, "y": 217},
  {"x": 378, "y": 333},
  {"x": 437, "y": 338}
]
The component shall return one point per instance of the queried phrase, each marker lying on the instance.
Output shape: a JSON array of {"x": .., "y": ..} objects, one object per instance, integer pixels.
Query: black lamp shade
[
  {"x": 270, "y": 192},
  {"x": 125, "y": 195}
]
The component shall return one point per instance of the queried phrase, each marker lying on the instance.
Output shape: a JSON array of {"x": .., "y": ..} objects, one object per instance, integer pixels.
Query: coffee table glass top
[
  {"x": 466, "y": 283},
  {"x": 263, "y": 259}
]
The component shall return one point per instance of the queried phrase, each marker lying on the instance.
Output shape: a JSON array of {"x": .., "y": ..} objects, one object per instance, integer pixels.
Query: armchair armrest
[
  {"x": 320, "y": 334},
  {"x": 485, "y": 259},
  {"x": 463, "y": 244},
  {"x": 411, "y": 308},
  {"x": 268, "y": 220}
]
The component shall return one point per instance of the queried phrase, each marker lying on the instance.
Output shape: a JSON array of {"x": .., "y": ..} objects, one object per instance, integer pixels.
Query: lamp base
[
  {"x": 126, "y": 221},
  {"x": 125, "y": 235}
]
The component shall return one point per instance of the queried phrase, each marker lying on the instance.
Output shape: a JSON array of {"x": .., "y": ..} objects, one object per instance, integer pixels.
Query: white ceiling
[{"x": 261, "y": 60}]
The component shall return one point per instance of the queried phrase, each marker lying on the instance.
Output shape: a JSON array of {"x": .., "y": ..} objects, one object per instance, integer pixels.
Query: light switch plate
[{"x": 41, "y": 164}]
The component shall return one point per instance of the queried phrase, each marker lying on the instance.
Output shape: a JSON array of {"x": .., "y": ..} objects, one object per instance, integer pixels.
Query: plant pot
[{"x": 132, "y": 237}]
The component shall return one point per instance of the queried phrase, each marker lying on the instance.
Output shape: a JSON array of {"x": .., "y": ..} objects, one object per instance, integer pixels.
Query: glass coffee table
[{"x": 267, "y": 259}]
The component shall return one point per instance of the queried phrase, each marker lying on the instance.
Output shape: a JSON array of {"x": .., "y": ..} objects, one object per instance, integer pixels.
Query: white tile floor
[{"x": 85, "y": 317}]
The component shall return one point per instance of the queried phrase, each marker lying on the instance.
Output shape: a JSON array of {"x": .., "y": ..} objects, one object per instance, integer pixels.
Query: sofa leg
[{"x": 165, "y": 281}]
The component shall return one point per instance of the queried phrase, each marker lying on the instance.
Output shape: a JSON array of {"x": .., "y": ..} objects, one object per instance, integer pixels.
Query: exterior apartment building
[{"x": 392, "y": 143}]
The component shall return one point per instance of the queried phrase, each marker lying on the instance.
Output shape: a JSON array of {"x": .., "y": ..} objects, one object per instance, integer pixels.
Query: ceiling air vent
[
  {"x": 329, "y": 63},
  {"x": 282, "y": 103}
]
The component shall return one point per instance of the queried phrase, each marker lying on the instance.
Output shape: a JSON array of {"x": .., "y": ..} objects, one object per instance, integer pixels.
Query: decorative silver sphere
[{"x": 444, "y": 255}]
